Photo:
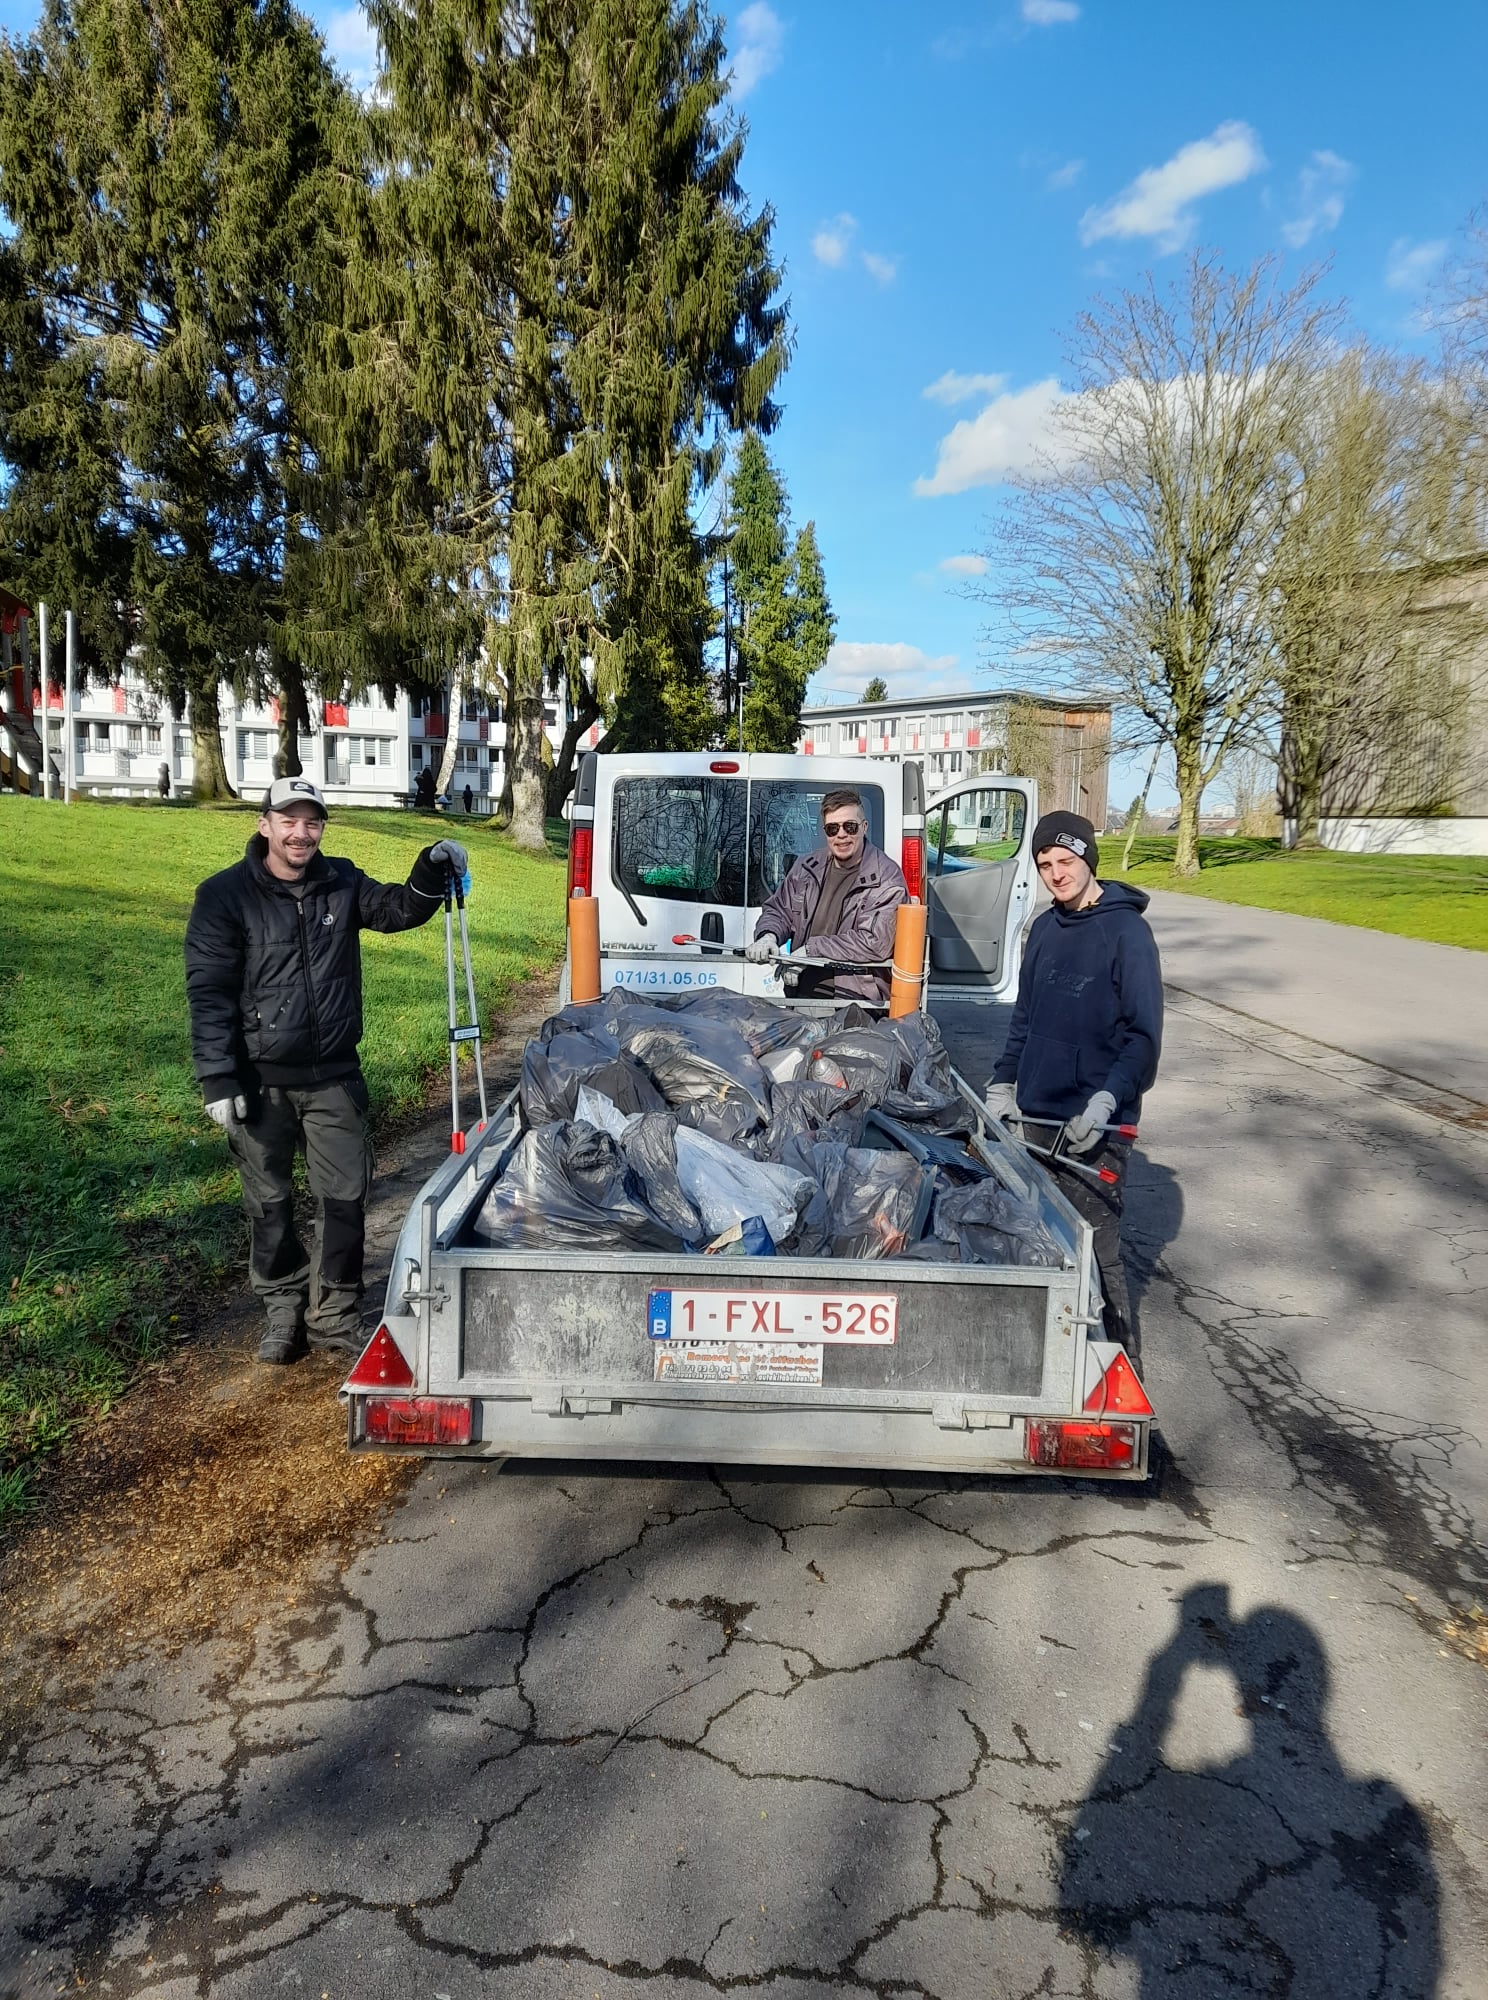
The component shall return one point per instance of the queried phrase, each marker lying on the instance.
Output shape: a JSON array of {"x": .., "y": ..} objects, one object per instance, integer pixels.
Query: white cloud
[
  {"x": 952, "y": 388},
  {"x": 852, "y": 663},
  {"x": 1160, "y": 201},
  {"x": 964, "y": 565},
  {"x": 1011, "y": 435},
  {"x": 351, "y": 45},
  {"x": 1409, "y": 265},
  {"x": 833, "y": 240},
  {"x": 884, "y": 269},
  {"x": 1321, "y": 187},
  {"x": 1049, "y": 13},
  {"x": 761, "y": 34},
  {"x": 1067, "y": 175}
]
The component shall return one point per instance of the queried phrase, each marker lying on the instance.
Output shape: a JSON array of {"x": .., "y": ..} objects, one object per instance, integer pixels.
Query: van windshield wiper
[{"x": 639, "y": 913}]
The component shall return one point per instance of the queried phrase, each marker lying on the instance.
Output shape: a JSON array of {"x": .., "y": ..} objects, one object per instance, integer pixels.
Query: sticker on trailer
[
  {"x": 861, "y": 1318},
  {"x": 773, "y": 1361}
]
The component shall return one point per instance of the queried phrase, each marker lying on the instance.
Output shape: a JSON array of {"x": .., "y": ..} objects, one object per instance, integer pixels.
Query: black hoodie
[{"x": 1089, "y": 1011}]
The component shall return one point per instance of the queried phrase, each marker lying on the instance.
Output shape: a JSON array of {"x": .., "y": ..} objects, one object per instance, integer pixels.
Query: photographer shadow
[{"x": 1273, "y": 1871}]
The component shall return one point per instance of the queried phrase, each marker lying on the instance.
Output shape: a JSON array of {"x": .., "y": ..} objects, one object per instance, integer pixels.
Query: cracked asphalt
[{"x": 571, "y": 1730}]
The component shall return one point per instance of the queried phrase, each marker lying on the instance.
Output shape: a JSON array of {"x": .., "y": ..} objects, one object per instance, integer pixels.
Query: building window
[
  {"x": 152, "y": 736},
  {"x": 256, "y": 746},
  {"x": 135, "y": 736}
]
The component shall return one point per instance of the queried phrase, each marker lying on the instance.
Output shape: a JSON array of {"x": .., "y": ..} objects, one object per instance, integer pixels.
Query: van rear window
[
  {"x": 785, "y": 823},
  {"x": 680, "y": 840}
]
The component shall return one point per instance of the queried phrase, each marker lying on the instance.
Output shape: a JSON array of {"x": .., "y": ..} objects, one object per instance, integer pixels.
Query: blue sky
[{"x": 953, "y": 183}]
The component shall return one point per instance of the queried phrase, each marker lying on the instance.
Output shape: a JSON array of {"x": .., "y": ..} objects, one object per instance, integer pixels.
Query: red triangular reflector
[
  {"x": 1118, "y": 1392},
  {"x": 382, "y": 1365}
]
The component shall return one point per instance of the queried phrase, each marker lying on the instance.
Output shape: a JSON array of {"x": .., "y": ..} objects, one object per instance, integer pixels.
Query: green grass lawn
[
  {"x": 118, "y": 1204},
  {"x": 1419, "y": 896}
]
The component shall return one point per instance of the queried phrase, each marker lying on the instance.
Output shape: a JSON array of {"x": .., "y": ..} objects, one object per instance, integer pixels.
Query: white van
[{"x": 682, "y": 849}]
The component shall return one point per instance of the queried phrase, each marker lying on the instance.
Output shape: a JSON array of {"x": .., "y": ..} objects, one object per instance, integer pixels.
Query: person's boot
[{"x": 282, "y": 1343}]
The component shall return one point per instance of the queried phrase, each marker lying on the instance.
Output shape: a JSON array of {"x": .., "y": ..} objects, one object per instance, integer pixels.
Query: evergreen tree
[
  {"x": 565, "y": 234},
  {"x": 785, "y": 621},
  {"x": 164, "y": 169},
  {"x": 876, "y": 690}
]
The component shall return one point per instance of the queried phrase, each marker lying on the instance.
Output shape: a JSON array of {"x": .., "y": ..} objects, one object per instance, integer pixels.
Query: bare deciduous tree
[{"x": 1133, "y": 556}]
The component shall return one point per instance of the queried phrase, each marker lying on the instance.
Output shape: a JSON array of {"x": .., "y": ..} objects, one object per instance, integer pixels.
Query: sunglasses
[{"x": 841, "y": 825}]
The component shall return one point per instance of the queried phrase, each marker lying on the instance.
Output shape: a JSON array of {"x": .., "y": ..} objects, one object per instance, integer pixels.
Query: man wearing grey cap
[
  {"x": 274, "y": 981},
  {"x": 1085, "y": 1037}
]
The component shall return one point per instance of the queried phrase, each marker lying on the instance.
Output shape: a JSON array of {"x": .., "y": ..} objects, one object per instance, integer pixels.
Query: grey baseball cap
[{"x": 287, "y": 792}]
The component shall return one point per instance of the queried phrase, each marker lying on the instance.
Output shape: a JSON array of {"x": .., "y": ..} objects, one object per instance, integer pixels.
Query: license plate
[
  {"x": 863, "y": 1318},
  {"x": 774, "y": 1361}
]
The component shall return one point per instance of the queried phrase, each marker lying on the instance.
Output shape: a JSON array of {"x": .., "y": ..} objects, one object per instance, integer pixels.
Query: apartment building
[
  {"x": 1065, "y": 744},
  {"x": 363, "y": 751}
]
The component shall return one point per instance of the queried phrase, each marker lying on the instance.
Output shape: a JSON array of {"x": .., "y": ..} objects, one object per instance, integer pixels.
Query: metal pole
[
  {"x": 44, "y": 664},
  {"x": 69, "y": 691}
]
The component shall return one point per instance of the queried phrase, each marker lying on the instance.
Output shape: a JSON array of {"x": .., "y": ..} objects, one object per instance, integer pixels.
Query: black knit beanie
[{"x": 1061, "y": 829}]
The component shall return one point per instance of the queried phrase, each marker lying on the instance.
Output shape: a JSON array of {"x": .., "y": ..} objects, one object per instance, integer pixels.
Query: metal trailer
[{"x": 492, "y": 1353}]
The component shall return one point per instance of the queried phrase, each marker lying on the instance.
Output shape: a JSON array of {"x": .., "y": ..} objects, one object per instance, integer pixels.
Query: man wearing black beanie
[{"x": 1085, "y": 1036}]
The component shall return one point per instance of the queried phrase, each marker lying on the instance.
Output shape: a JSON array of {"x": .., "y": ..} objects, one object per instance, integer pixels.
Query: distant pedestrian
[
  {"x": 1085, "y": 1036},
  {"x": 469, "y": 798},
  {"x": 423, "y": 790},
  {"x": 163, "y": 782},
  {"x": 274, "y": 981}
]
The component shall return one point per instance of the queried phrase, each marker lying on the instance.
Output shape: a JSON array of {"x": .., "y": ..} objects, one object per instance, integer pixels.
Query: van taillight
[
  {"x": 912, "y": 861},
  {"x": 580, "y": 860}
]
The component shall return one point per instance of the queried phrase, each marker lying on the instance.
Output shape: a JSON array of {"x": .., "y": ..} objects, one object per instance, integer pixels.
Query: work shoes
[
  {"x": 351, "y": 1341},
  {"x": 281, "y": 1345}
]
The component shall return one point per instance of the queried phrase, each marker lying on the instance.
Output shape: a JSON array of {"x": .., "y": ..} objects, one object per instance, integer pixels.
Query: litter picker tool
[
  {"x": 469, "y": 1030},
  {"x": 1060, "y": 1154}
]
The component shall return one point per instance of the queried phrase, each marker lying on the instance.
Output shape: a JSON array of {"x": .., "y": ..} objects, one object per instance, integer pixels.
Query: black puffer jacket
[{"x": 275, "y": 979}]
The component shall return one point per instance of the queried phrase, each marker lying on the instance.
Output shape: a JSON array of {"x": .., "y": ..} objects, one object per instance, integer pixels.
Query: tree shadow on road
[{"x": 1275, "y": 1871}]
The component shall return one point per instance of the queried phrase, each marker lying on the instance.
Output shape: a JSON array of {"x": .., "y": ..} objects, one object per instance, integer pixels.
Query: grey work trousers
[
  {"x": 1100, "y": 1203},
  {"x": 328, "y": 1125}
]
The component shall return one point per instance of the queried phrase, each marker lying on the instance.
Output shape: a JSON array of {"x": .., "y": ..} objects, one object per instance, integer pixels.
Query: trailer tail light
[
  {"x": 1081, "y": 1447},
  {"x": 382, "y": 1365},
  {"x": 580, "y": 860},
  {"x": 912, "y": 863},
  {"x": 417, "y": 1419},
  {"x": 1118, "y": 1393},
  {"x": 723, "y": 767}
]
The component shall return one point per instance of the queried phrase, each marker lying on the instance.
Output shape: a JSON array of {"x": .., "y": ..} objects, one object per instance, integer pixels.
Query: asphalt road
[
  {"x": 581, "y": 1732},
  {"x": 1417, "y": 1009}
]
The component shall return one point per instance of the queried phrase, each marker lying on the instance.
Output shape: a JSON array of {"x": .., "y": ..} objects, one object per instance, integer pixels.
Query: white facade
[
  {"x": 361, "y": 752},
  {"x": 1435, "y": 833}
]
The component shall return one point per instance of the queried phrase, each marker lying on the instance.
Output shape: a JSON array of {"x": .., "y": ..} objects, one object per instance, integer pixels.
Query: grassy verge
[
  {"x": 1444, "y": 901},
  {"x": 118, "y": 1204}
]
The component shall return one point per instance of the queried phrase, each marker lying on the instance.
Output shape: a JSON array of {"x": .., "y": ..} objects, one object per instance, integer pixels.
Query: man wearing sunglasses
[{"x": 840, "y": 901}]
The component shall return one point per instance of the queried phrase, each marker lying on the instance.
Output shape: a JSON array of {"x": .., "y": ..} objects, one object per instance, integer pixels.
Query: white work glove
[
  {"x": 1083, "y": 1134},
  {"x": 454, "y": 857},
  {"x": 1002, "y": 1104},
  {"x": 228, "y": 1111},
  {"x": 763, "y": 949}
]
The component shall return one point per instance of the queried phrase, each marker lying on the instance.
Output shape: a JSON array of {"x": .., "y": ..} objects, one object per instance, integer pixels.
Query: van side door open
[{"x": 980, "y": 882}]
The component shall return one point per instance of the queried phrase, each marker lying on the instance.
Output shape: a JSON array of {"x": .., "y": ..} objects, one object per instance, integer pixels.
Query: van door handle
[{"x": 711, "y": 932}]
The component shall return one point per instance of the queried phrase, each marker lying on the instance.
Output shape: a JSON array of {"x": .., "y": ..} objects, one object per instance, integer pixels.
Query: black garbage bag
[
  {"x": 765, "y": 1025},
  {"x": 870, "y": 1059},
  {"x": 649, "y": 1148},
  {"x": 924, "y": 1093},
  {"x": 811, "y": 1111},
  {"x": 989, "y": 1224},
  {"x": 567, "y": 1187},
  {"x": 553, "y": 1073},
  {"x": 870, "y": 1204},
  {"x": 703, "y": 1070}
]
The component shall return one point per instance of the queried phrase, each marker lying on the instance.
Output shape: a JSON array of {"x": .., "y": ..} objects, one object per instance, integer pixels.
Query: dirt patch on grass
[{"x": 217, "y": 1488}]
